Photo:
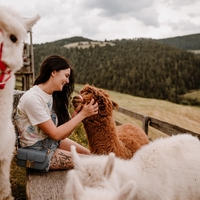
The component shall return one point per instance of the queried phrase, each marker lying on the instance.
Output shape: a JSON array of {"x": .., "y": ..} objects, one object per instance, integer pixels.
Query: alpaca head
[
  {"x": 79, "y": 192},
  {"x": 100, "y": 96},
  {"x": 13, "y": 31},
  {"x": 86, "y": 181},
  {"x": 94, "y": 170}
]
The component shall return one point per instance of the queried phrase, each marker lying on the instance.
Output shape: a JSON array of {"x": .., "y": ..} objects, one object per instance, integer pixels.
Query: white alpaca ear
[
  {"x": 109, "y": 165},
  {"x": 29, "y": 22},
  {"x": 127, "y": 192},
  {"x": 75, "y": 158},
  {"x": 77, "y": 188}
]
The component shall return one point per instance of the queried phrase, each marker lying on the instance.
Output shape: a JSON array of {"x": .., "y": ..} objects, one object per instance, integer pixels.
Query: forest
[{"x": 141, "y": 67}]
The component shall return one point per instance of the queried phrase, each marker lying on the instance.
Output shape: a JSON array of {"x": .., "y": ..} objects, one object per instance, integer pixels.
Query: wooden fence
[
  {"x": 25, "y": 76},
  {"x": 147, "y": 121},
  {"x": 162, "y": 126}
]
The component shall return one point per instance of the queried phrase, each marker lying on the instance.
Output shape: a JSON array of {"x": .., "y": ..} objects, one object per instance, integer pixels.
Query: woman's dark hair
[{"x": 60, "y": 98}]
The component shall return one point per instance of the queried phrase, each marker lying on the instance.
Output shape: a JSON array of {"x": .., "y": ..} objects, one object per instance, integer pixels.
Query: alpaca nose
[{"x": 80, "y": 97}]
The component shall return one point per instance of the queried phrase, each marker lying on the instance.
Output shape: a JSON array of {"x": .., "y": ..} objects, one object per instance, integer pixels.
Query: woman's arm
[{"x": 64, "y": 130}]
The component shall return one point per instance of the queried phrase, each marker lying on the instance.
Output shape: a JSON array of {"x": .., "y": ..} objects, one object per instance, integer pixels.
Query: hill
[
  {"x": 187, "y": 42},
  {"x": 140, "y": 67},
  {"x": 62, "y": 42}
]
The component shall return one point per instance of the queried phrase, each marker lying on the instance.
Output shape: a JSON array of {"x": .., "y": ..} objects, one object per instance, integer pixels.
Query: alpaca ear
[
  {"x": 76, "y": 159},
  {"x": 77, "y": 102},
  {"x": 128, "y": 191},
  {"x": 76, "y": 187},
  {"x": 29, "y": 22},
  {"x": 115, "y": 105},
  {"x": 108, "y": 169}
]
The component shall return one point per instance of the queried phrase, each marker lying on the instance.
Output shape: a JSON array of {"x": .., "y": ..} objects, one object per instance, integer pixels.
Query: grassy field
[
  {"x": 86, "y": 44},
  {"x": 193, "y": 95},
  {"x": 183, "y": 116},
  {"x": 187, "y": 117},
  {"x": 195, "y": 51}
]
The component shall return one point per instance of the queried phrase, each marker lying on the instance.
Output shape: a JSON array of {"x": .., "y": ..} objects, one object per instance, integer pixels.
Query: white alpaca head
[
  {"x": 13, "y": 30},
  {"x": 80, "y": 192},
  {"x": 95, "y": 170},
  {"x": 93, "y": 177}
]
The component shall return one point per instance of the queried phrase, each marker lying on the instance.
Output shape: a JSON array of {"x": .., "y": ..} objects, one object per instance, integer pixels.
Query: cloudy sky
[{"x": 110, "y": 19}]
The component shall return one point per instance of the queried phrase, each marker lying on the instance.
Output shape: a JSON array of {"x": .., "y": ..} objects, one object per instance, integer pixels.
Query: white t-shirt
[{"x": 34, "y": 107}]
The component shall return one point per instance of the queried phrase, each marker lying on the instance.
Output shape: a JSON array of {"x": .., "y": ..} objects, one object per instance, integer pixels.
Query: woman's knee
[
  {"x": 66, "y": 144},
  {"x": 61, "y": 160}
]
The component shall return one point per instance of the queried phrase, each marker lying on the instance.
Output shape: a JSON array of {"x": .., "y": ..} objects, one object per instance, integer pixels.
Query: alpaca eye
[{"x": 13, "y": 38}]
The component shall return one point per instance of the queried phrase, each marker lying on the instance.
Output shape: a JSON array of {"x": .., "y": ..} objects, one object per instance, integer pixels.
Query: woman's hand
[
  {"x": 89, "y": 109},
  {"x": 64, "y": 130}
]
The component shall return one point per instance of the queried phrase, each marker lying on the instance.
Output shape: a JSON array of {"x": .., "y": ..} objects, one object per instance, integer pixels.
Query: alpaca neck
[
  {"x": 103, "y": 130},
  {"x": 7, "y": 134},
  {"x": 6, "y": 102}
]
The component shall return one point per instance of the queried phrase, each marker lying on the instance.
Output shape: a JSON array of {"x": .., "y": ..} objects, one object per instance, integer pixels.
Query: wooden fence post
[{"x": 145, "y": 124}]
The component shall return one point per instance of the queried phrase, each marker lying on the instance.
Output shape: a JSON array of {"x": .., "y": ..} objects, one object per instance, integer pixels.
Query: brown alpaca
[{"x": 102, "y": 133}]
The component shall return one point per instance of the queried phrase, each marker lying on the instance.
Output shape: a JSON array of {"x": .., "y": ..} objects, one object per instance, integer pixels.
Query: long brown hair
[{"x": 60, "y": 98}]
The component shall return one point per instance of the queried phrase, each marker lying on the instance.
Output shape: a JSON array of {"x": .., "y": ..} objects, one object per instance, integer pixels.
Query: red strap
[
  {"x": 4, "y": 75},
  {"x": 2, "y": 65},
  {"x": 1, "y": 50}
]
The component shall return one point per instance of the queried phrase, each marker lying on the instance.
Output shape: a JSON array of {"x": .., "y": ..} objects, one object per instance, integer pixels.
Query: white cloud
[{"x": 110, "y": 19}]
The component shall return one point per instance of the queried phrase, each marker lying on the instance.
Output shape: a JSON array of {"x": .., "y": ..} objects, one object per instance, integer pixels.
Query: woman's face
[{"x": 60, "y": 78}]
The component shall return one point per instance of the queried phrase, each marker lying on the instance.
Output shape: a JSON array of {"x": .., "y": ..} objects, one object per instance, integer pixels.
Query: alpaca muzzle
[{"x": 5, "y": 74}]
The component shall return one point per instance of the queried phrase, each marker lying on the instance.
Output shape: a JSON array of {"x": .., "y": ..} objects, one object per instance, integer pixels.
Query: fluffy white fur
[
  {"x": 168, "y": 168},
  {"x": 79, "y": 192},
  {"x": 11, "y": 25},
  {"x": 94, "y": 174}
]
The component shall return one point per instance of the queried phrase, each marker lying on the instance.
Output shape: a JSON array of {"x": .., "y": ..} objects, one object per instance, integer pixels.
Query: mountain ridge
[{"x": 185, "y": 42}]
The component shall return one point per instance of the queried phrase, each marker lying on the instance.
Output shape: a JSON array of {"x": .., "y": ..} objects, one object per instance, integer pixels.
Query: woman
[{"x": 42, "y": 115}]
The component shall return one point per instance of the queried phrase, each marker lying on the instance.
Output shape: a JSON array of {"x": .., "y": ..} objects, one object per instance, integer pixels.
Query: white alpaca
[
  {"x": 13, "y": 30},
  {"x": 166, "y": 169}
]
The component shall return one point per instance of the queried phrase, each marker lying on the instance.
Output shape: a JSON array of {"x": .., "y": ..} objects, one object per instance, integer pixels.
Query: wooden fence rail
[{"x": 147, "y": 121}]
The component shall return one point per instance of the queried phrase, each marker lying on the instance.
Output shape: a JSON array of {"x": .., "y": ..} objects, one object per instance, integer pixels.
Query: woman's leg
[
  {"x": 66, "y": 143},
  {"x": 61, "y": 159}
]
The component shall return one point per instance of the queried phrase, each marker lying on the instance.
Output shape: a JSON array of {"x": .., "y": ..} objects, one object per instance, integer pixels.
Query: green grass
[{"x": 18, "y": 180}]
